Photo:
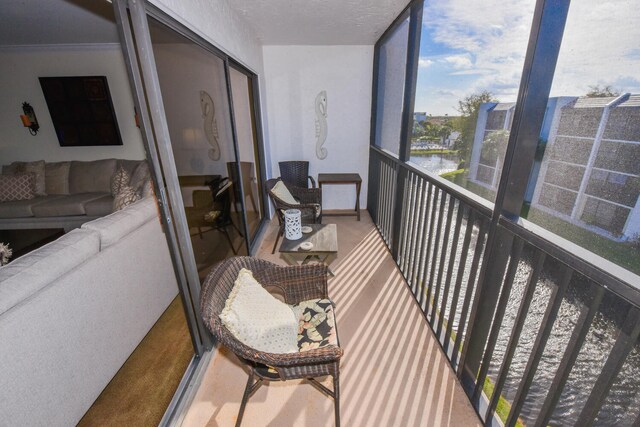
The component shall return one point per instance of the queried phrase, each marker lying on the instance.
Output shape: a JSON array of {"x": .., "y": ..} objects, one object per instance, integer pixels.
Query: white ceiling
[
  {"x": 275, "y": 22},
  {"x": 36, "y": 22},
  {"x": 318, "y": 22}
]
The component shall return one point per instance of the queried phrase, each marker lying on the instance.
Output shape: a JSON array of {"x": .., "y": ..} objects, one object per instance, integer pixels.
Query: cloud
[
  {"x": 424, "y": 62},
  {"x": 459, "y": 62},
  {"x": 482, "y": 46}
]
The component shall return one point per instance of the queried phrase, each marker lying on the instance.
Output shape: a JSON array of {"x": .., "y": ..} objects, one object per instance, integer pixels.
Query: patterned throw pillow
[
  {"x": 125, "y": 197},
  {"x": 36, "y": 168},
  {"x": 258, "y": 319},
  {"x": 119, "y": 180},
  {"x": 316, "y": 324},
  {"x": 16, "y": 187}
]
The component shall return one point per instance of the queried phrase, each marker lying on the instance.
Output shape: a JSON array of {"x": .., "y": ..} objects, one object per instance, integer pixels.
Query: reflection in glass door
[
  {"x": 246, "y": 131},
  {"x": 196, "y": 102}
]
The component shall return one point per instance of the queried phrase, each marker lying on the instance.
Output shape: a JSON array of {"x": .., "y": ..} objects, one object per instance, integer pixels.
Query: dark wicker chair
[
  {"x": 310, "y": 205},
  {"x": 295, "y": 173},
  {"x": 297, "y": 284},
  {"x": 217, "y": 198}
]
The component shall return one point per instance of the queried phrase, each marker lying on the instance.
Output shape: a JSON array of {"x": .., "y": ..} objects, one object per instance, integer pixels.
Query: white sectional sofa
[{"x": 73, "y": 311}]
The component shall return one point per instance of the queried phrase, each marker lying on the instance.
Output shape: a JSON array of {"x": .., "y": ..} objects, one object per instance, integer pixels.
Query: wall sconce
[{"x": 29, "y": 119}]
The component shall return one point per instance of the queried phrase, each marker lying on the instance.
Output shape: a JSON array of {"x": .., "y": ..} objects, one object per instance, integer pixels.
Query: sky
[{"x": 470, "y": 46}]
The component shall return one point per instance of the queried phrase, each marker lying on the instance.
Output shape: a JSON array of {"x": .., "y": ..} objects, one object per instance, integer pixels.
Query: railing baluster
[
  {"x": 471, "y": 283},
  {"x": 425, "y": 303},
  {"x": 421, "y": 219},
  {"x": 624, "y": 344},
  {"x": 417, "y": 219},
  {"x": 458, "y": 284},
  {"x": 387, "y": 189},
  {"x": 585, "y": 318},
  {"x": 452, "y": 256},
  {"x": 523, "y": 310},
  {"x": 434, "y": 257},
  {"x": 382, "y": 189},
  {"x": 412, "y": 228},
  {"x": 424, "y": 253},
  {"x": 550, "y": 314},
  {"x": 406, "y": 224},
  {"x": 394, "y": 183},
  {"x": 403, "y": 228},
  {"x": 514, "y": 262},
  {"x": 443, "y": 254}
]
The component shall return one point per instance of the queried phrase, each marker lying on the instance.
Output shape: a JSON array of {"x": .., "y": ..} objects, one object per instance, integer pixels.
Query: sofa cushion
[
  {"x": 36, "y": 168},
  {"x": 115, "y": 226},
  {"x": 119, "y": 180},
  {"x": 316, "y": 324},
  {"x": 16, "y": 187},
  {"x": 99, "y": 207},
  {"x": 129, "y": 165},
  {"x": 125, "y": 197},
  {"x": 91, "y": 177},
  {"x": 22, "y": 208},
  {"x": 140, "y": 176},
  {"x": 282, "y": 192},
  {"x": 72, "y": 204},
  {"x": 25, "y": 276},
  {"x": 57, "y": 177}
]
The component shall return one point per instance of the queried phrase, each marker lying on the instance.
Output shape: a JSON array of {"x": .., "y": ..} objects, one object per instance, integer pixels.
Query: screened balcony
[
  {"x": 524, "y": 270},
  {"x": 393, "y": 372}
]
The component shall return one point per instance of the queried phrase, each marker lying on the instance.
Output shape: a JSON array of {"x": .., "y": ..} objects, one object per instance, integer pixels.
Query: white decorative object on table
[
  {"x": 306, "y": 229},
  {"x": 321, "y": 124},
  {"x": 306, "y": 246},
  {"x": 292, "y": 224}
]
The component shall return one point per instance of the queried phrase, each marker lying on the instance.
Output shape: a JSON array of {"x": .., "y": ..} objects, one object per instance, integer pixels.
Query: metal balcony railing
[{"x": 561, "y": 344}]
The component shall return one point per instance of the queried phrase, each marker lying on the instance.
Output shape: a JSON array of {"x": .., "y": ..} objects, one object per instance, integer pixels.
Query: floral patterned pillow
[{"x": 316, "y": 324}]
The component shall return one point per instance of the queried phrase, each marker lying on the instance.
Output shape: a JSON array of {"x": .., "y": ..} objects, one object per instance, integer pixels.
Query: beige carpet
[
  {"x": 393, "y": 372},
  {"x": 140, "y": 392}
]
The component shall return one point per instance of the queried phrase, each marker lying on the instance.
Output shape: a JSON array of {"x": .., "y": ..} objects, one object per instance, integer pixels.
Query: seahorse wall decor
[
  {"x": 321, "y": 124},
  {"x": 210, "y": 125}
]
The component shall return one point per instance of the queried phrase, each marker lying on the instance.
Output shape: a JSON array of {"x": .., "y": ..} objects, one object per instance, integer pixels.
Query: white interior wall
[
  {"x": 217, "y": 23},
  {"x": 20, "y": 68},
  {"x": 184, "y": 70},
  {"x": 294, "y": 76}
]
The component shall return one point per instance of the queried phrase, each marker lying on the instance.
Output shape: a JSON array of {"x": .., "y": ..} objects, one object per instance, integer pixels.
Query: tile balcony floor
[{"x": 393, "y": 372}]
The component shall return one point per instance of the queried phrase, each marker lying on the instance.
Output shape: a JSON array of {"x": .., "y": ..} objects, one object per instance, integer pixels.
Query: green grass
[
  {"x": 503, "y": 407},
  {"x": 621, "y": 253},
  {"x": 460, "y": 177},
  {"x": 451, "y": 175},
  {"x": 426, "y": 152}
]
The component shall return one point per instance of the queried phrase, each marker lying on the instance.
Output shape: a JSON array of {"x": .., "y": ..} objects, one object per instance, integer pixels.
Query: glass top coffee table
[{"x": 323, "y": 237}]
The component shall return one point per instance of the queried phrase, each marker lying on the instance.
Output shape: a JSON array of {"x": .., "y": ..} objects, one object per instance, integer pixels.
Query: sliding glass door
[
  {"x": 243, "y": 92},
  {"x": 201, "y": 125},
  {"x": 196, "y": 104}
]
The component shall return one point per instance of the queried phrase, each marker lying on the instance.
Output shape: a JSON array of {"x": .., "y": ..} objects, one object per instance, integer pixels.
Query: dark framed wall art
[{"x": 81, "y": 110}]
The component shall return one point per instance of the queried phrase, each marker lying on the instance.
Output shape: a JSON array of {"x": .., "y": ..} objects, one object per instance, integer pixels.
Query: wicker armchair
[
  {"x": 310, "y": 205},
  {"x": 295, "y": 173},
  {"x": 297, "y": 284},
  {"x": 216, "y": 202}
]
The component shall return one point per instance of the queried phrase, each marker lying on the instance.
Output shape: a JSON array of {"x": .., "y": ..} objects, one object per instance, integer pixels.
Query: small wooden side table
[
  {"x": 325, "y": 243},
  {"x": 343, "y": 178}
]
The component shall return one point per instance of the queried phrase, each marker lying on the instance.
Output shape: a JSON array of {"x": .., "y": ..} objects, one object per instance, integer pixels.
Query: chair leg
[
  {"x": 245, "y": 398},
  {"x": 275, "y": 245},
  {"x": 226, "y": 233},
  {"x": 336, "y": 397},
  {"x": 237, "y": 229}
]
